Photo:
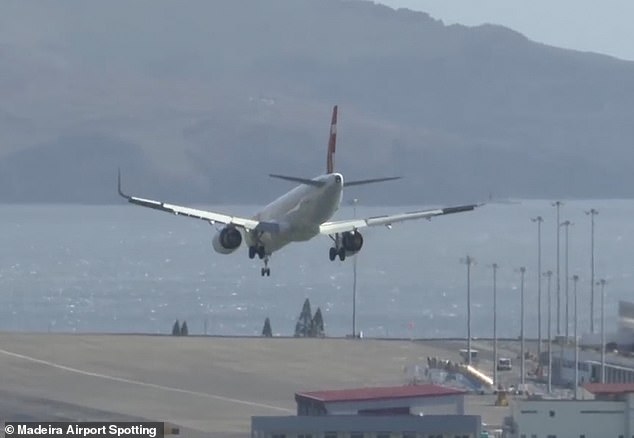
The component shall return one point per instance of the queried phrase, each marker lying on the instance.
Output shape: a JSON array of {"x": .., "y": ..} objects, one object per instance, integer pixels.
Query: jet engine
[
  {"x": 352, "y": 241},
  {"x": 227, "y": 240}
]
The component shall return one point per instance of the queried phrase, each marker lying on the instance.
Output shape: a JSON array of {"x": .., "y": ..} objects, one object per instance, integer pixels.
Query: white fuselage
[{"x": 299, "y": 213}]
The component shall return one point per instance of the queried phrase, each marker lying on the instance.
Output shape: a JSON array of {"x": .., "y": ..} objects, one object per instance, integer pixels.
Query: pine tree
[
  {"x": 176, "y": 329},
  {"x": 302, "y": 328},
  {"x": 184, "y": 330},
  {"x": 317, "y": 325},
  {"x": 266, "y": 331}
]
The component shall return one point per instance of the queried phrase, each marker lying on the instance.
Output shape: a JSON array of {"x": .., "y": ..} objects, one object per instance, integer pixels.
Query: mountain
[{"x": 198, "y": 101}]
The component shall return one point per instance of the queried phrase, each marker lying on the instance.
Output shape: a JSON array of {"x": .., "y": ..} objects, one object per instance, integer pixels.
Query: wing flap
[
  {"x": 355, "y": 224},
  {"x": 208, "y": 216}
]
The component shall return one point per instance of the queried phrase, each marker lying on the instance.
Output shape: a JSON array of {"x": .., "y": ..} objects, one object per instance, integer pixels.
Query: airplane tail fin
[
  {"x": 332, "y": 146},
  {"x": 332, "y": 142},
  {"x": 330, "y": 162}
]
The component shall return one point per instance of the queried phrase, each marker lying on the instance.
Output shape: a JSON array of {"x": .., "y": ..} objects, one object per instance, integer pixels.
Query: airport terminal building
[{"x": 412, "y": 411}]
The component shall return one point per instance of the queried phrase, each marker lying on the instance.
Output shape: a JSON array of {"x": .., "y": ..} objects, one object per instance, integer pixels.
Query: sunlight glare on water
[{"x": 127, "y": 269}]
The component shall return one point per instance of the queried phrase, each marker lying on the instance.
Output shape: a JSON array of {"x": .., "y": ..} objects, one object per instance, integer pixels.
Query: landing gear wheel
[
  {"x": 260, "y": 251},
  {"x": 332, "y": 254},
  {"x": 342, "y": 254},
  {"x": 252, "y": 252},
  {"x": 266, "y": 270}
]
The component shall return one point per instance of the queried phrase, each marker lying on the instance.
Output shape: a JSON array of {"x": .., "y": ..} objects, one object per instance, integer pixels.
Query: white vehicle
[
  {"x": 504, "y": 364},
  {"x": 297, "y": 216}
]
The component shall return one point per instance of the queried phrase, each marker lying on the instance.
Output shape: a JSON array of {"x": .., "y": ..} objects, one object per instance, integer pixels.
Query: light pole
[
  {"x": 566, "y": 225},
  {"x": 495, "y": 333},
  {"x": 468, "y": 261},
  {"x": 522, "y": 363},
  {"x": 539, "y": 221},
  {"x": 558, "y": 205},
  {"x": 354, "y": 203},
  {"x": 549, "y": 275},
  {"x": 592, "y": 212},
  {"x": 602, "y": 284},
  {"x": 575, "y": 279}
]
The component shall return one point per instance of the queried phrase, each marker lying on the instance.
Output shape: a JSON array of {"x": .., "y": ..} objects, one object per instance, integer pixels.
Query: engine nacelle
[
  {"x": 227, "y": 240},
  {"x": 352, "y": 242}
]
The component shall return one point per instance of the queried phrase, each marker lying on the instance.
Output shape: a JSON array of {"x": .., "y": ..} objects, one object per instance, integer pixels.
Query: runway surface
[{"x": 206, "y": 385}]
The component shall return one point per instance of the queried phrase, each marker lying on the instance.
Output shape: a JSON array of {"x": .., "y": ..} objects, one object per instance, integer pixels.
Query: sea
[{"x": 126, "y": 269}]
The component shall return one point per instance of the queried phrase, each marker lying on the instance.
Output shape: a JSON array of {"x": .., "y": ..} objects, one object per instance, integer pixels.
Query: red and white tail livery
[{"x": 332, "y": 142}]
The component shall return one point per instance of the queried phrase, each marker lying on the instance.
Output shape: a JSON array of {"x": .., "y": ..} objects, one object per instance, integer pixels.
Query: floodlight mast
[
  {"x": 549, "y": 275},
  {"x": 592, "y": 213},
  {"x": 539, "y": 221},
  {"x": 469, "y": 261},
  {"x": 557, "y": 205}
]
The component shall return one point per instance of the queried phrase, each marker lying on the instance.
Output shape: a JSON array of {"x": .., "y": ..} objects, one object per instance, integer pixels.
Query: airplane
[{"x": 297, "y": 216}]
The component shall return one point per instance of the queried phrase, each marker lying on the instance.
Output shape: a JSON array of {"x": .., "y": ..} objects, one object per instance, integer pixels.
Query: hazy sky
[{"x": 587, "y": 25}]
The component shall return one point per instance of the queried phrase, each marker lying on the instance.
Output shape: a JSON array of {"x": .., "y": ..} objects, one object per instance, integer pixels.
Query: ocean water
[{"x": 70, "y": 268}]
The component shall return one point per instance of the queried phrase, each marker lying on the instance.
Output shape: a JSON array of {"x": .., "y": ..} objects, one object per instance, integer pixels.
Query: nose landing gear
[{"x": 266, "y": 270}]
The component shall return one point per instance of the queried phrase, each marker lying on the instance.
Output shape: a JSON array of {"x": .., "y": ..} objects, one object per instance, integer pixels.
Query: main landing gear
[
  {"x": 348, "y": 243},
  {"x": 334, "y": 252},
  {"x": 259, "y": 250},
  {"x": 262, "y": 255},
  {"x": 338, "y": 249}
]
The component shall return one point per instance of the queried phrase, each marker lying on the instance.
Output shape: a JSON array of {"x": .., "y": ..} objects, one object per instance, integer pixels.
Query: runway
[{"x": 208, "y": 386}]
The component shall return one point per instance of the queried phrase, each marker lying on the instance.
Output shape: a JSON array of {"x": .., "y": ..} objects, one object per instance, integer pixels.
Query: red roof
[
  {"x": 381, "y": 393},
  {"x": 609, "y": 388}
]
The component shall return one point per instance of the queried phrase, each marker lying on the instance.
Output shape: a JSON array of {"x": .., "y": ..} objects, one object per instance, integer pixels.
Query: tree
[
  {"x": 176, "y": 329},
  {"x": 184, "y": 330},
  {"x": 266, "y": 331},
  {"x": 304, "y": 322},
  {"x": 317, "y": 325}
]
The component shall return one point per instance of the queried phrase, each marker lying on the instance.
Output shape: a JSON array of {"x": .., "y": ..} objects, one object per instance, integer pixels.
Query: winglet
[
  {"x": 123, "y": 195},
  {"x": 332, "y": 142}
]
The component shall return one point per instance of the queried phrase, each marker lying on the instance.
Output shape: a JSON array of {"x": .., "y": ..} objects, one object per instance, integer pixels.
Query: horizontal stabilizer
[
  {"x": 309, "y": 182},
  {"x": 370, "y": 181}
]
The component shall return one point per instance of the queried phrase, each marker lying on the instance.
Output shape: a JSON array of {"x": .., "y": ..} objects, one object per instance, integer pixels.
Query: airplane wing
[
  {"x": 209, "y": 216},
  {"x": 355, "y": 224}
]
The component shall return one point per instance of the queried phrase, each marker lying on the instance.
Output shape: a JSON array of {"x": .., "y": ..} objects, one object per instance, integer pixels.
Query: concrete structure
[
  {"x": 609, "y": 415},
  {"x": 360, "y": 426},
  {"x": 397, "y": 400},
  {"x": 623, "y": 337},
  {"x": 618, "y": 368},
  {"x": 625, "y": 334}
]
